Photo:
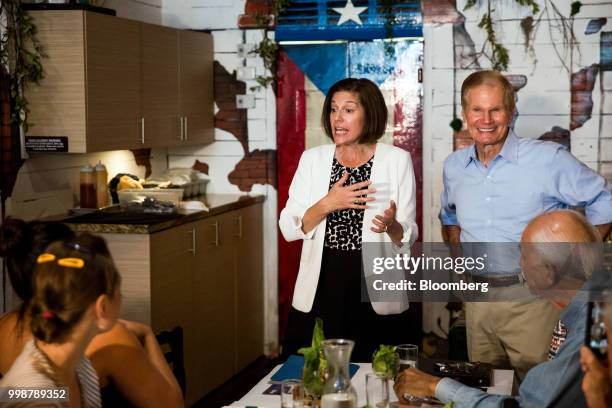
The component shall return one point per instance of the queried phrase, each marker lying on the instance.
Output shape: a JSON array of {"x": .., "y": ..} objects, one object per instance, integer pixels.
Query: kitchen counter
[
  {"x": 114, "y": 220},
  {"x": 198, "y": 270}
]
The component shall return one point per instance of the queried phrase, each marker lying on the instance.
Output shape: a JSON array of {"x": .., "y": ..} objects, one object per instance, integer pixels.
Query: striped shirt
[{"x": 33, "y": 370}]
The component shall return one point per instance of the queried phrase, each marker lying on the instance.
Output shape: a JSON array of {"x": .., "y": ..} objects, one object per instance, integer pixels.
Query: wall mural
[
  {"x": 256, "y": 167},
  {"x": 581, "y": 82}
]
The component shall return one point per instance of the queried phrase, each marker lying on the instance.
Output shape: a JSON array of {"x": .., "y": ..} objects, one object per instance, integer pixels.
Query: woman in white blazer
[{"x": 342, "y": 195}]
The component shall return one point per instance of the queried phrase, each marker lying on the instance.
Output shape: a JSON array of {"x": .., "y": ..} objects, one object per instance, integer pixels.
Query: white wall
[
  {"x": 147, "y": 11},
  {"x": 221, "y": 16}
]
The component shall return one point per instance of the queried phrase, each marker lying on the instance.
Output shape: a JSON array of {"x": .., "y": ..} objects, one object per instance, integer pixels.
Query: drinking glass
[
  {"x": 377, "y": 390},
  {"x": 408, "y": 355},
  {"x": 292, "y": 393}
]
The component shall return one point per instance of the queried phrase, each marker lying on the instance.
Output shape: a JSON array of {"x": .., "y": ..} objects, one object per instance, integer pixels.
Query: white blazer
[{"x": 392, "y": 176}]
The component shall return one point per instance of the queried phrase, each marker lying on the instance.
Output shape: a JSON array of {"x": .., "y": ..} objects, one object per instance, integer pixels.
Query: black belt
[{"x": 498, "y": 281}]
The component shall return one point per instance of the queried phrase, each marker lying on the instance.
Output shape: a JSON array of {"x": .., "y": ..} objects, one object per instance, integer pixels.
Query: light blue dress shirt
[
  {"x": 528, "y": 177},
  {"x": 555, "y": 383}
]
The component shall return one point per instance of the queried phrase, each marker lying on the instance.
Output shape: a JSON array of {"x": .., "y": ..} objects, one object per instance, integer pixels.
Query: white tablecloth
[{"x": 502, "y": 384}]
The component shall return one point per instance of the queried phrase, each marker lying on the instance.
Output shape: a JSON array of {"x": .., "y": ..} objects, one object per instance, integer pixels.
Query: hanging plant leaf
[
  {"x": 22, "y": 53},
  {"x": 456, "y": 124},
  {"x": 575, "y": 8},
  {"x": 268, "y": 48},
  {"x": 469, "y": 4}
]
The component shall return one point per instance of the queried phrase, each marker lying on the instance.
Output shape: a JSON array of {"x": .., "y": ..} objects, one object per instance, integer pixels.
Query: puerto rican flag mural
[{"x": 321, "y": 43}]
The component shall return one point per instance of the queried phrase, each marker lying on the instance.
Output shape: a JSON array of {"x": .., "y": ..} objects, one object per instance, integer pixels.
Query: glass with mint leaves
[
  {"x": 313, "y": 375},
  {"x": 385, "y": 361}
]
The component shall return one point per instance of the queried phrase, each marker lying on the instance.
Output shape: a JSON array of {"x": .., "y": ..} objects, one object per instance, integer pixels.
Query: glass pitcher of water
[{"x": 337, "y": 390}]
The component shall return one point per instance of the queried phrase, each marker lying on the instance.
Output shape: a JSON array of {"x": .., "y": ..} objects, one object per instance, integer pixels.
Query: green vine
[
  {"x": 21, "y": 54},
  {"x": 268, "y": 48},
  {"x": 497, "y": 54},
  {"x": 493, "y": 50}
]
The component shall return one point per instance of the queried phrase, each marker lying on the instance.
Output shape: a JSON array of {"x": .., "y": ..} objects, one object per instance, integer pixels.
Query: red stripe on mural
[
  {"x": 290, "y": 142},
  {"x": 408, "y": 135}
]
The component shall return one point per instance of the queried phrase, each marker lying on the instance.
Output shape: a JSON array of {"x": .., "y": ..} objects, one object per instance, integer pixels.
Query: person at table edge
[{"x": 557, "y": 382}]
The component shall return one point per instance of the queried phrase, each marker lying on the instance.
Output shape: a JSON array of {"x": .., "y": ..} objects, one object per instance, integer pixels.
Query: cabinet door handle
[
  {"x": 216, "y": 241},
  {"x": 239, "y": 222},
  {"x": 181, "y": 137},
  {"x": 186, "y": 128},
  {"x": 141, "y": 130},
  {"x": 193, "y": 241}
]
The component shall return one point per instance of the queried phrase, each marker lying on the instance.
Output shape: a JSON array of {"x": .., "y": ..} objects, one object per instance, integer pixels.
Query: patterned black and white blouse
[{"x": 343, "y": 229}]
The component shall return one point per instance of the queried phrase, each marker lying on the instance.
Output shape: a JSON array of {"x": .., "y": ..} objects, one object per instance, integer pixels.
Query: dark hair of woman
[
  {"x": 20, "y": 244},
  {"x": 68, "y": 278},
  {"x": 372, "y": 100}
]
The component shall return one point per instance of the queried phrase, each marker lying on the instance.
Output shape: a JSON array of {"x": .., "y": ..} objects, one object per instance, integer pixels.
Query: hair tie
[
  {"x": 45, "y": 257},
  {"x": 47, "y": 314},
  {"x": 76, "y": 263}
]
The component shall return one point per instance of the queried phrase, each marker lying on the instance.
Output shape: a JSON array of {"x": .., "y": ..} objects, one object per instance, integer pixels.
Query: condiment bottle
[
  {"x": 87, "y": 187},
  {"x": 101, "y": 181}
]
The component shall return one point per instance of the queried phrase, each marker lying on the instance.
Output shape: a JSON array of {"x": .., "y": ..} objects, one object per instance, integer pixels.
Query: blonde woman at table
[
  {"x": 343, "y": 195},
  {"x": 130, "y": 365}
]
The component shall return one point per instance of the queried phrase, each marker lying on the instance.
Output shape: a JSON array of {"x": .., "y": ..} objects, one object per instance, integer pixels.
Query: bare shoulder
[
  {"x": 8, "y": 323},
  {"x": 12, "y": 339},
  {"x": 118, "y": 336}
]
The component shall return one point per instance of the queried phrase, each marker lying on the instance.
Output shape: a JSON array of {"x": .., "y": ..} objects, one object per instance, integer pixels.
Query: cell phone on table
[{"x": 596, "y": 338}]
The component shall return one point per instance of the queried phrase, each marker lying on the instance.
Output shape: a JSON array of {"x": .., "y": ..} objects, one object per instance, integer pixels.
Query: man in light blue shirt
[
  {"x": 528, "y": 177},
  {"x": 557, "y": 382},
  {"x": 492, "y": 189}
]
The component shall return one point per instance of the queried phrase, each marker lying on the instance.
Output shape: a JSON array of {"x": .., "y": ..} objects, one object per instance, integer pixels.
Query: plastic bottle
[
  {"x": 87, "y": 186},
  {"x": 101, "y": 183}
]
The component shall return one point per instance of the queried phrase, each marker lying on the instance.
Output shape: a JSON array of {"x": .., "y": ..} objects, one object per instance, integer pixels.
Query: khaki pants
[{"x": 510, "y": 334}]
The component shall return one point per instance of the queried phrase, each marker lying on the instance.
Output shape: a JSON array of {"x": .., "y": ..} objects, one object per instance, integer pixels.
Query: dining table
[{"x": 255, "y": 398}]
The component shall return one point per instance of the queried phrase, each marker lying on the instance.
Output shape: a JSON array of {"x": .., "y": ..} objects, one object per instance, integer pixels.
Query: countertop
[{"x": 151, "y": 223}]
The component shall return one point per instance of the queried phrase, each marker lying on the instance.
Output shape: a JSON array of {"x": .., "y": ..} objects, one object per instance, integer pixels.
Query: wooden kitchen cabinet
[
  {"x": 112, "y": 83},
  {"x": 213, "y": 316},
  {"x": 112, "y": 86},
  {"x": 160, "y": 85},
  {"x": 228, "y": 294},
  {"x": 196, "y": 97},
  {"x": 248, "y": 247},
  {"x": 90, "y": 92},
  {"x": 207, "y": 277}
]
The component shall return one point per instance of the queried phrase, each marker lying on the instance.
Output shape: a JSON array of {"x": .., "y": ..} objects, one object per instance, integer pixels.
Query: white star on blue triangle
[{"x": 349, "y": 12}]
